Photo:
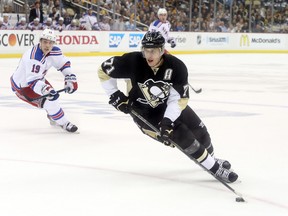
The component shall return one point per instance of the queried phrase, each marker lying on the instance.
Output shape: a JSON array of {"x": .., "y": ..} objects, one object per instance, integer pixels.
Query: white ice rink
[{"x": 111, "y": 169}]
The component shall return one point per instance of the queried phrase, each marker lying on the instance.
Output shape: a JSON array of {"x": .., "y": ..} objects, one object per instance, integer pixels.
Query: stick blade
[{"x": 240, "y": 199}]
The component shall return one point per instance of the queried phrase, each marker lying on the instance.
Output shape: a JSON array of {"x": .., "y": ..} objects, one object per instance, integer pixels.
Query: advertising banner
[
  {"x": 262, "y": 41},
  {"x": 18, "y": 41},
  {"x": 13, "y": 43}
]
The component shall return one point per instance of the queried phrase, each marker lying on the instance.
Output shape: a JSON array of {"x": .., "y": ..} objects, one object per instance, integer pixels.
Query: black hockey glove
[
  {"x": 120, "y": 101},
  {"x": 166, "y": 131}
]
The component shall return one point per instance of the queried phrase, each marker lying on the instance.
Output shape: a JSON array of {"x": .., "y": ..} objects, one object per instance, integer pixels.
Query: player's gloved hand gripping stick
[
  {"x": 120, "y": 102},
  {"x": 44, "y": 96}
]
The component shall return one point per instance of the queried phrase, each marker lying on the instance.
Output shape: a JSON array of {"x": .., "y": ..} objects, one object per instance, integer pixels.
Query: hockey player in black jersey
[{"x": 159, "y": 92}]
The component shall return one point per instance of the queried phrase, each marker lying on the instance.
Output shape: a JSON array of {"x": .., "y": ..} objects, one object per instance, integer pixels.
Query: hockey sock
[
  {"x": 55, "y": 112},
  {"x": 203, "y": 157},
  {"x": 209, "y": 148}
]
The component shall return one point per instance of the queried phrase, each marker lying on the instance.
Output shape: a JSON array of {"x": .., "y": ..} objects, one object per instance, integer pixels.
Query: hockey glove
[
  {"x": 71, "y": 84},
  {"x": 120, "y": 101},
  {"x": 52, "y": 94},
  {"x": 166, "y": 131}
]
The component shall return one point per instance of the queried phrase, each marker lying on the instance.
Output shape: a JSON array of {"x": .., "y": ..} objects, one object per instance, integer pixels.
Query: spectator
[
  {"x": 50, "y": 6},
  {"x": 237, "y": 28},
  {"x": 119, "y": 24},
  {"x": 90, "y": 19},
  {"x": 2, "y": 25},
  {"x": 55, "y": 14},
  {"x": 179, "y": 11},
  {"x": 35, "y": 25},
  {"x": 129, "y": 25},
  {"x": 179, "y": 26},
  {"x": 59, "y": 5},
  {"x": 67, "y": 18},
  {"x": 82, "y": 22},
  {"x": 36, "y": 12},
  {"x": 104, "y": 10},
  {"x": 96, "y": 27},
  {"x": 48, "y": 24},
  {"x": 245, "y": 27},
  {"x": 204, "y": 27},
  {"x": 7, "y": 8},
  {"x": 21, "y": 25},
  {"x": 105, "y": 24},
  {"x": 258, "y": 29},
  {"x": 72, "y": 25},
  {"x": 222, "y": 26},
  {"x": 60, "y": 26},
  {"x": 6, "y": 21}
]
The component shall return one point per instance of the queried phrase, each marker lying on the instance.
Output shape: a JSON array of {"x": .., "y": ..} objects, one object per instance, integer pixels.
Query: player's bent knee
[{"x": 194, "y": 147}]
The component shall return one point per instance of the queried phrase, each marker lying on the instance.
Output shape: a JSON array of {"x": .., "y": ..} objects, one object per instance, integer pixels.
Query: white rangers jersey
[
  {"x": 34, "y": 65},
  {"x": 163, "y": 28},
  {"x": 32, "y": 26},
  {"x": 59, "y": 27},
  {"x": 72, "y": 27},
  {"x": 3, "y": 27},
  {"x": 20, "y": 26}
]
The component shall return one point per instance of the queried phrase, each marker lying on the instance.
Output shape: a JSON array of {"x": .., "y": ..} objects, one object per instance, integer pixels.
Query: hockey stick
[
  {"x": 135, "y": 114},
  {"x": 197, "y": 91},
  {"x": 43, "y": 96}
]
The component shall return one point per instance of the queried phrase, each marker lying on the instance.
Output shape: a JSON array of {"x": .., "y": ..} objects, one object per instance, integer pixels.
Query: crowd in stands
[{"x": 119, "y": 15}]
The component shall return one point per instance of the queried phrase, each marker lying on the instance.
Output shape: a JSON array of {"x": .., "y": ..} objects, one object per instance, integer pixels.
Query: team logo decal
[{"x": 155, "y": 92}]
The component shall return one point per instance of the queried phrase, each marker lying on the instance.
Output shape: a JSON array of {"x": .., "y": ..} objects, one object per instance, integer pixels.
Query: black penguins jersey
[{"x": 152, "y": 90}]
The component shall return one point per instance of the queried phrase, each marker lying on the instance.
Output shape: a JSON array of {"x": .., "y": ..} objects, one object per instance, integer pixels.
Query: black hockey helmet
[{"x": 153, "y": 40}]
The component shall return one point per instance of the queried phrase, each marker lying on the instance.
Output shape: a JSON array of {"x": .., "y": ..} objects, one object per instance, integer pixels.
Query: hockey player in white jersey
[
  {"x": 163, "y": 26},
  {"x": 29, "y": 83}
]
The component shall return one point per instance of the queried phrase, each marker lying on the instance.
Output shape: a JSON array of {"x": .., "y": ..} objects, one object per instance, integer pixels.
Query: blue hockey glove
[{"x": 52, "y": 94}]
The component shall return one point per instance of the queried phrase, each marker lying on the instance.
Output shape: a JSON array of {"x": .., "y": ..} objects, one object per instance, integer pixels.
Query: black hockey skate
[
  {"x": 70, "y": 127},
  {"x": 226, "y": 175},
  {"x": 223, "y": 163}
]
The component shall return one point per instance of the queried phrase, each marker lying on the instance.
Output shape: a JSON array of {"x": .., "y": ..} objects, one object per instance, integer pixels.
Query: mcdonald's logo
[{"x": 244, "y": 40}]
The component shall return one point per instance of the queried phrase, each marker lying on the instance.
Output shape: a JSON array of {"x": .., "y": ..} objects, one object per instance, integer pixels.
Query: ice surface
[{"x": 111, "y": 169}]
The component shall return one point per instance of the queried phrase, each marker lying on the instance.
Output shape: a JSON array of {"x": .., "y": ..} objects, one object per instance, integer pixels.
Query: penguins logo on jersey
[{"x": 155, "y": 92}]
